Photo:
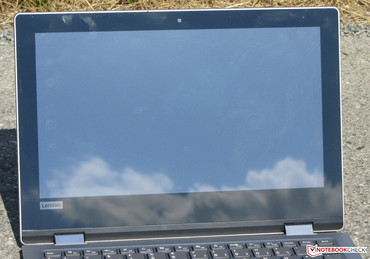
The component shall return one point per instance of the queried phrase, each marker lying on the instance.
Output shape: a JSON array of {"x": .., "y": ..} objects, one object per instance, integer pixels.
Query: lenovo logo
[{"x": 51, "y": 205}]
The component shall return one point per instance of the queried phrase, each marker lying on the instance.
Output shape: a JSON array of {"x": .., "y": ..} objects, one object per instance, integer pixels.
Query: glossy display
[
  {"x": 178, "y": 111},
  {"x": 187, "y": 122}
]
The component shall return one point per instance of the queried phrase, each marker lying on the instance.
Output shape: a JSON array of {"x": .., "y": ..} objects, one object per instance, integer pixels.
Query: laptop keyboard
[{"x": 267, "y": 249}]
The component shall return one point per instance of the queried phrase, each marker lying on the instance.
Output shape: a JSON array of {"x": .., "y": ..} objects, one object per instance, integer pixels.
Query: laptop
[{"x": 180, "y": 134}]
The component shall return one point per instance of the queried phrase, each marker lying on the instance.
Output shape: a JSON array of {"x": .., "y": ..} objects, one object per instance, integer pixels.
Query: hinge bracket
[
  {"x": 69, "y": 239},
  {"x": 294, "y": 230}
]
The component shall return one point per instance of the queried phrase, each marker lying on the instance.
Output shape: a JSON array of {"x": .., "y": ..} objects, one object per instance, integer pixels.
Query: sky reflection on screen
[{"x": 147, "y": 112}]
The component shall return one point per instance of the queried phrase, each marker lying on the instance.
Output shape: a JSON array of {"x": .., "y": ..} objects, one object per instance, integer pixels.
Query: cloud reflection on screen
[{"x": 94, "y": 177}]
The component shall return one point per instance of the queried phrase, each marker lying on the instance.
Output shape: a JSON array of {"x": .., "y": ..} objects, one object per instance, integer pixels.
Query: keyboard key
[
  {"x": 92, "y": 257},
  {"x": 157, "y": 256},
  {"x": 222, "y": 253},
  {"x": 70, "y": 253},
  {"x": 241, "y": 253},
  {"x": 109, "y": 251},
  {"x": 218, "y": 247},
  {"x": 179, "y": 255},
  {"x": 53, "y": 254},
  {"x": 262, "y": 252},
  {"x": 135, "y": 256},
  {"x": 290, "y": 257},
  {"x": 72, "y": 257},
  {"x": 271, "y": 244},
  {"x": 164, "y": 249},
  {"x": 182, "y": 248},
  {"x": 145, "y": 250},
  {"x": 200, "y": 247},
  {"x": 236, "y": 246},
  {"x": 300, "y": 250},
  {"x": 333, "y": 256},
  {"x": 91, "y": 252},
  {"x": 125, "y": 251},
  {"x": 113, "y": 256},
  {"x": 251, "y": 245},
  {"x": 289, "y": 243},
  {"x": 282, "y": 251},
  {"x": 199, "y": 254},
  {"x": 307, "y": 242},
  {"x": 325, "y": 242}
]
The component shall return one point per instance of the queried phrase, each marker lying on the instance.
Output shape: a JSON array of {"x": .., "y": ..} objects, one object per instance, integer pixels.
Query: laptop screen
[
  {"x": 201, "y": 120},
  {"x": 178, "y": 111}
]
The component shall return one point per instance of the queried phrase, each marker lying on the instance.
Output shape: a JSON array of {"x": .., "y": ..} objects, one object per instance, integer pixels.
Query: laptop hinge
[
  {"x": 294, "y": 230},
  {"x": 69, "y": 239}
]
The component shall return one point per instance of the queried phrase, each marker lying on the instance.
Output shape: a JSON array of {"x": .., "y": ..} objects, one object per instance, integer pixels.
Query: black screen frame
[{"x": 39, "y": 222}]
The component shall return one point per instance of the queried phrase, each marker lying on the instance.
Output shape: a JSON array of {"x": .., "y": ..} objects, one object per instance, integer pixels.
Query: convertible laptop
[{"x": 184, "y": 134}]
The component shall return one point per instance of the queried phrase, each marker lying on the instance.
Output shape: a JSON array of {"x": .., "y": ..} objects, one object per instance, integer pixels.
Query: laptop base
[{"x": 148, "y": 248}]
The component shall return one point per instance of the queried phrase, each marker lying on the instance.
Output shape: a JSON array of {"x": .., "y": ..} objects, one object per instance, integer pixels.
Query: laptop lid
[{"x": 173, "y": 123}]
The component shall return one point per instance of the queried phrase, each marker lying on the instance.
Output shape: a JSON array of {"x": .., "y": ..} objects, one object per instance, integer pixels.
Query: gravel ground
[
  {"x": 6, "y": 35},
  {"x": 355, "y": 58},
  {"x": 355, "y": 50}
]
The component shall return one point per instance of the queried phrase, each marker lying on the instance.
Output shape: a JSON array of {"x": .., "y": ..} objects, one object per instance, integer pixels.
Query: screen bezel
[{"x": 34, "y": 219}]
